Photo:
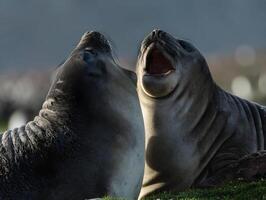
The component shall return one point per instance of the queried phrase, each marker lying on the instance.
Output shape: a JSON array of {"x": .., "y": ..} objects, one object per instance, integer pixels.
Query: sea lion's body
[
  {"x": 88, "y": 140},
  {"x": 195, "y": 131}
]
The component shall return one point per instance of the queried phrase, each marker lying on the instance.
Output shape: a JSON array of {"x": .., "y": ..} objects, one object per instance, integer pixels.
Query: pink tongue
[{"x": 158, "y": 63}]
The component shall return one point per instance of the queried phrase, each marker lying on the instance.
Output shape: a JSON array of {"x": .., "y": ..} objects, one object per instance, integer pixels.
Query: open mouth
[{"x": 157, "y": 62}]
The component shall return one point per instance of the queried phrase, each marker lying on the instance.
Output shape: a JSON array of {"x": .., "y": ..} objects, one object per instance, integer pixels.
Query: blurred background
[{"x": 36, "y": 36}]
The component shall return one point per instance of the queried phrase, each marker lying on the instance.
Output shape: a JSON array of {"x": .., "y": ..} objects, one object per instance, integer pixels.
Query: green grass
[
  {"x": 230, "y": 191},
  {"x": 236, "y": 190},
  {"x": 3, "y": 126}
]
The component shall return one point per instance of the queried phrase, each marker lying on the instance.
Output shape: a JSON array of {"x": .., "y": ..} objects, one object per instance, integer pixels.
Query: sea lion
[
  {"x": 196, "y": 133},
  {"x": 88, "y": 139}
]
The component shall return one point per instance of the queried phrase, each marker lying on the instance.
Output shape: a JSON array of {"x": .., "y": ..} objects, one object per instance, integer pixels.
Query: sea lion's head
[
  {"x": 166, "y": 63},
  {"x": 90, "y": 75}
]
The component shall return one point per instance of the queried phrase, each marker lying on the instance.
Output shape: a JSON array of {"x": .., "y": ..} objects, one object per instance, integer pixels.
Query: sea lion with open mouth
[
  {"x": 88, "y": 139},
  {"x": 196, "y": 133}
]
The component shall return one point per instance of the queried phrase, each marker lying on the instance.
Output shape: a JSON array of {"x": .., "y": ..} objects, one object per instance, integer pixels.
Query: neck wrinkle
[
  {"x": 193, "y": 100},
  {"x": 49, "y": 130}
]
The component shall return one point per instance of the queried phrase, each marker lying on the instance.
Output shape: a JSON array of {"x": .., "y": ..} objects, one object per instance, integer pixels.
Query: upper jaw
[{"x": 158, "y": 49}]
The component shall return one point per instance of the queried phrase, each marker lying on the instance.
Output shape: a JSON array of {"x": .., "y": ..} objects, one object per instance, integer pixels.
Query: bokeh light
[
  {"x": 262, "y": 84},
  {"x": 241, "y": 87}
]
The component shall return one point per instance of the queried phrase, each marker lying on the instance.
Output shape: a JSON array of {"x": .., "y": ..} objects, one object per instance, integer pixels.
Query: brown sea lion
[
  {"x": 88, "y": 139},
  {"x": 196, "y": 133}
]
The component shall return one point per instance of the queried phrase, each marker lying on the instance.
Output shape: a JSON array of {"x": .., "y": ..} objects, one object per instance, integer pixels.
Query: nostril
[
  {"x": 161, "y": 34},
  {"x": 156, "y": 33},
  {"x": 153, "y": 33},
  {"x": 92, "y": 34},
  {"x": 86, "y": 33},
  {"x": 95, "y": 34}
]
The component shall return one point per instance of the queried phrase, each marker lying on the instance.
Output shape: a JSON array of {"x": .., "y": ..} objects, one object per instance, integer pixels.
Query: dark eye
[
  {"x": 89, "y": 55},
  {"x": 90, "y": 51},
  {"x": 188, "y": 47}
]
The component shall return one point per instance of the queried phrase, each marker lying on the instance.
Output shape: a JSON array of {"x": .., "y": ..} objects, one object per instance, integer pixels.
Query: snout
[
  {"x": 94, "y": 39},
  {"x": 157, "y": 34}
]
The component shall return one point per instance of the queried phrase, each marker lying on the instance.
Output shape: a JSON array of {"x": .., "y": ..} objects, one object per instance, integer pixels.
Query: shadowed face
[
  {"x": 164, "y": 61},
  {"x": 91, "y": 77},
  {"x": 87, "y": 61},
  {"x": 89, "y": 67}
]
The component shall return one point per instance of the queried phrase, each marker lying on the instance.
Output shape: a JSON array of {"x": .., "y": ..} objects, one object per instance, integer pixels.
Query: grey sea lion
[
  {"x": 196, "y": 133},
  {"x": 88, "y": 139}
]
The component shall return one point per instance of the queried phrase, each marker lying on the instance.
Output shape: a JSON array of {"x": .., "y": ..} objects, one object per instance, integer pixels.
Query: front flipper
[
  {"x": 252, "y": 166},
  {"x": 249, "y": 167},
  {"x": 222, "y": 176}
]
